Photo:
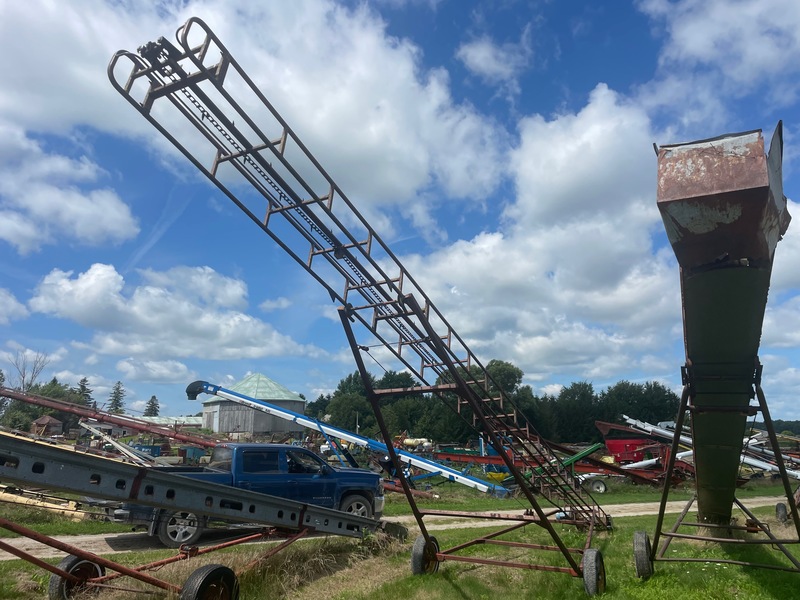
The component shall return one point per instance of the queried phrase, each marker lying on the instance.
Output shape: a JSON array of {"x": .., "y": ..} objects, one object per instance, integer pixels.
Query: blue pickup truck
[{"x": 290, "y": 472}]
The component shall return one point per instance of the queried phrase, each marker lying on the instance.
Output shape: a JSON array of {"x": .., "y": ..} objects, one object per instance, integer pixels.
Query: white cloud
[
  {"x": 497, "y": 63},
  {"x": 152, "y": 371},
  {"x": 716, "y": 51},
  {"x": 750, "y": 41},
  {"x": 573, "y": 167},
  {"x": 98, "y": 383},
  {"x": 45, "y": 198},
  {"x": 10, "y": 307},
  {"x": 202, "y": 283},
  {"x": 160, "y": 322},
  {"x": 275, "y": 304},
  {"x": 401, "y": 125}
]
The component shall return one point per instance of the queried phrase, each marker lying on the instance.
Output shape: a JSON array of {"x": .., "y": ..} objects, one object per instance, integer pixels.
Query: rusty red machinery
[
  {"x": 203, "y": 101},
  {"x": 101, "y": 416},
  {"x": 25, "y": 460},
  {"x": 723, "y": 208}
]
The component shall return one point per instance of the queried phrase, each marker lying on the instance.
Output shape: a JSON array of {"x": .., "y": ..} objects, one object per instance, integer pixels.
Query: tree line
[
  {"x": 16, "y": 414},
  {"x": 568, "y": 416}
]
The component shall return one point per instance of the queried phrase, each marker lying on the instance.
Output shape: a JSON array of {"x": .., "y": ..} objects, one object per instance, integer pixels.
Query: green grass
[
  {"x": 454, "y": 496},
  {"x": 50, "y": 523},
  {"x": 345, "y": 569}
]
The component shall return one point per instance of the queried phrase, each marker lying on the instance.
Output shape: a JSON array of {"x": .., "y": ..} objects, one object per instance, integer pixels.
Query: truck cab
[{"x": 281, "y": 470}]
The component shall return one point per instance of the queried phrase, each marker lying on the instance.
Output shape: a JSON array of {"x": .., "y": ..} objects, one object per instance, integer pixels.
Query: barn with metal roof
[{"x": 224, "y": 416}]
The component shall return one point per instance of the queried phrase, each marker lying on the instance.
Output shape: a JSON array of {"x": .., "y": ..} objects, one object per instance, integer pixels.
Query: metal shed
[{"x": 224, "y": 416}]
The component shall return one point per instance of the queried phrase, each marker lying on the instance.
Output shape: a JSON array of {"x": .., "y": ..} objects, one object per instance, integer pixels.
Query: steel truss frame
[
  {"x": 236, "y": 136},
  {"x": 646, "y": 554}
]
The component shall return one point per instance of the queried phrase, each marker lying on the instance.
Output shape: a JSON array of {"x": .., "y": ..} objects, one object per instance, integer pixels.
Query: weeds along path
[{"x": 113, "y": 543}]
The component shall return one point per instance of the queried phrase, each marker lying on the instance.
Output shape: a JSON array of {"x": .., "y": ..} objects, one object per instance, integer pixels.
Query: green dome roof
[{"x": 261, "y": 387}]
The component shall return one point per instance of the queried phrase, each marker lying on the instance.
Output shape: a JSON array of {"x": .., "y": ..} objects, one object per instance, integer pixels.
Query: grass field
[{"x": 344, "y": 569}]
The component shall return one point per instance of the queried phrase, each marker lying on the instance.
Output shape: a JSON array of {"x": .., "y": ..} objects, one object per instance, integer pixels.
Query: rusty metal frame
[
  {"x": 753, "y": 525},
  {"x": 295, "y": 202},
  {"x": 536, "y": 515},
  {"x": 137, "y": 573}
]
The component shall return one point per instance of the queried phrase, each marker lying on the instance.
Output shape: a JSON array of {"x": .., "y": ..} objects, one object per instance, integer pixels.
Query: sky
[{"x": 503, "y": 150}]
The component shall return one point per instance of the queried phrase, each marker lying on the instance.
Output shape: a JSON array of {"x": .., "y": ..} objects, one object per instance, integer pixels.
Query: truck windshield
[{"x": 221, "y": 459}]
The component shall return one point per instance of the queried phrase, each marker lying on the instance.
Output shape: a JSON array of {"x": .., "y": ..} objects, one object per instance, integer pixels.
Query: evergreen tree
[
  {"x": 85, "y": 392},
  {"x": 318, "y": 408},
  {"x": 116, "y": 401},
  {"x": 152, "y": 408}
]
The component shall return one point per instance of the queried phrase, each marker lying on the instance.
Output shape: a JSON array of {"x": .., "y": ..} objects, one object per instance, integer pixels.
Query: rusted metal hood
[
  {"x": 722, "y": 199},
  {"x": 724, "y": 211}
]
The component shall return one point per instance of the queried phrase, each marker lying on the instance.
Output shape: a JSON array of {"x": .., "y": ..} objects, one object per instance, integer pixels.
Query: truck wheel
[
  {"x": 357, "y": 505},
  {"x": 211, "y": 582},
  {"x": 179, "y": 527},
  {"x": 64, "y": 589},
  {"x": 423, "y": 556}
]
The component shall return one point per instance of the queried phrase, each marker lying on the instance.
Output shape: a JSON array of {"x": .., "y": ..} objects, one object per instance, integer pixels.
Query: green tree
[
  {"x": 353, "y": 384},
  {"x": 352, "y": 412},
  {"x": 152, "y": 408},
  {"x": 442, "y": 423},
  {"x": 577, "y": 410},
  {"x": 505, "y": 374},
  {"x": 319, "y": 407},
  {"x": 651, "y": 402},
  {"x": 392, "y": 380},
  {"x": 85, "y": 392},
  {"x": 116, "y": 400}
]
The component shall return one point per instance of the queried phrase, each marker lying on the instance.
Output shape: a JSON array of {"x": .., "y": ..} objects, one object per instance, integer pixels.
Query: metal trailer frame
[
  {"x": 723, "y": 207},
  {"x": 83, "y": 571},
  {"x": 235, "y": 135},
  {"x": 29, "y": 461}
]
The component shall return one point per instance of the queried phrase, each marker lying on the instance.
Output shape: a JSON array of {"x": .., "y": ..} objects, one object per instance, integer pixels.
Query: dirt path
[{"x": 106, "y": 544}]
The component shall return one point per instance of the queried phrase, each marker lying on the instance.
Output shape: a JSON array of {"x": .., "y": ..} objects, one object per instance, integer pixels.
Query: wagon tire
[
  {"x": 423, "y": 556},
  {"x": 594, "y": 572},
  {"x": 641, "y": 555},
  {"x": 179, "y": 527},
  {"x": 60, "y": 588},
  {"x": 211, "y": 582},
  {"x": 357, "y": 505},
  {"x": 598, "y": 486},
  {"x": 781, "y": 512}
]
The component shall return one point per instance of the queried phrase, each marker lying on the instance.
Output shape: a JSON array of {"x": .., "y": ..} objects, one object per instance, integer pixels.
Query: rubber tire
[
  {"x": 781, "y": 513},
  {"x": 63, "y": 589},
  {"x": 422, "y": 562},
  {"x": 594, "y": 572},
  {"x": 174, "y": 535},
  {"x": 211, "y": 582},
  {"x": 357, "y": 504},
  {"x": 598, "y": 486},
  {"x": 641, "y": 555}
]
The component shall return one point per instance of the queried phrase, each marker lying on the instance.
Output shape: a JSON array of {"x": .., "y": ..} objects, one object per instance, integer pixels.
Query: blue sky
[{"x": 503, "y": 150}]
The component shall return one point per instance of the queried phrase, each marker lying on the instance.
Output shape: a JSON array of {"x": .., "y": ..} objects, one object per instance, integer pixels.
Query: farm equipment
[
  {"x": 46, "y": 465},
  {"x": 722, "y": 204},
  {"x": 207, "y": 106},
  {"x": 100, "y": 416},
  {"x": 330, "y": 431}
]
